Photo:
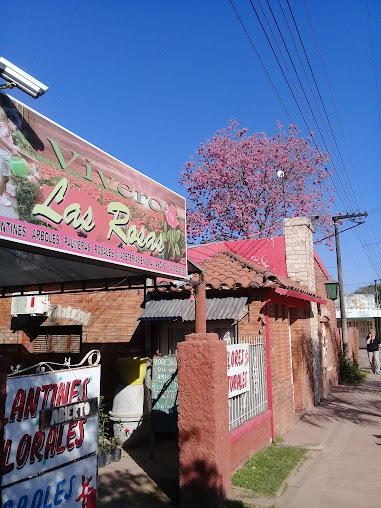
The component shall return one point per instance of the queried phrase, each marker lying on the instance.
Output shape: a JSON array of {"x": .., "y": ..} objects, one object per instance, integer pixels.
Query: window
[
  {"x": 171, "y": 334},
  {"x": 224, "y": 329},
  {"x": 56, "y": 339}
]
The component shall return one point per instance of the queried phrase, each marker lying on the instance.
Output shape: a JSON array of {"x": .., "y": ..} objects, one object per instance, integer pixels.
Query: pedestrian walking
[{"x": 372, "y": 346}]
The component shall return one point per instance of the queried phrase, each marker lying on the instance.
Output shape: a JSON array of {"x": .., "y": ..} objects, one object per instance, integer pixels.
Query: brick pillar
[
  {"x": 300, "y": 259},
  {"x": 203, "y": 407},
  {"x": 300, "y": 263}
]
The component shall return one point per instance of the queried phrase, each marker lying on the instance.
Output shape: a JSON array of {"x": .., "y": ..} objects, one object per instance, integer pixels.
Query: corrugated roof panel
[{"x": 183, "y": 310}]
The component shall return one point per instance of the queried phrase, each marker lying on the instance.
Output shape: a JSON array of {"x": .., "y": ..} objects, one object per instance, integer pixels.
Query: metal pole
[
  {"x": 376, "y": 291},
  {"x": 344, "y": 328},
  {"x": 200, "y": 307},
  {"x": 376, "y": 319}
]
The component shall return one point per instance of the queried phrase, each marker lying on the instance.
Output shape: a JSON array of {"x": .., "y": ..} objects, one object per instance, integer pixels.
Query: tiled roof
[{"x": 227, "y": 270}]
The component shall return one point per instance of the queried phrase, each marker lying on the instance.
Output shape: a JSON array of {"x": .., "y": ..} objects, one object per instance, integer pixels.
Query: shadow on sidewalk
[
  {"x": 122, "y": 489},
  {"x": 357, "y": 404},
  {"x": 163, "y": 467}
]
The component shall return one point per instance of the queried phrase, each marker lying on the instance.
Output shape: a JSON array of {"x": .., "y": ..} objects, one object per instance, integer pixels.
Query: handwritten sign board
[
  {"x": 164, "y": 394},
  {"x": 238, "y": 368},
  {"x": 78, "y": 200},
  {"x": 36, "y": 449}
]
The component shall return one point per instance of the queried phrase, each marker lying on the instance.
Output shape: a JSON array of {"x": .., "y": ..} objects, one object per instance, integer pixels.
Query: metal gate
[{"x": 247, "y": 405}]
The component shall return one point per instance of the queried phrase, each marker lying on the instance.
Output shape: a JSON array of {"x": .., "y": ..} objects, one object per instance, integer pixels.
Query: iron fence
[{"x": 253, "y": 402}]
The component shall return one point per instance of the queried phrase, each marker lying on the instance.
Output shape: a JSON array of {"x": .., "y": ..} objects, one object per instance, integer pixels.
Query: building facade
[
  {"x": 363, "y": 313},
  {"x": 267, "y": 293}
]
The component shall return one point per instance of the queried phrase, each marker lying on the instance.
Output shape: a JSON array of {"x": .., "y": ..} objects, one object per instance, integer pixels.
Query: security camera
[{"x": 16, "y": 77}]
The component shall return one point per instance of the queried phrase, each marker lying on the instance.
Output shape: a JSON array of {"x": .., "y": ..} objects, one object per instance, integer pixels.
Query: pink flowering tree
[{"x": 242, "y": 186}]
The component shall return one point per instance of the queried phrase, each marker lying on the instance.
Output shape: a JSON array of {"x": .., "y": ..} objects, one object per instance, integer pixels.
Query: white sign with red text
[
  {"x": 238, "y": 368},
  {"x": 30, "y": 447}
]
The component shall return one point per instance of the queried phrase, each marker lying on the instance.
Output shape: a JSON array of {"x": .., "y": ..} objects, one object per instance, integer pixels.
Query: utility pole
[
  {"x": 377, "y": 319},
  {"x": 344, "y": 327}
]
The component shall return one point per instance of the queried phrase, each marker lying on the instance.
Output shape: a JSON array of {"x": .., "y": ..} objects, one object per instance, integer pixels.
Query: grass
[{"x": 265, "y": 472}]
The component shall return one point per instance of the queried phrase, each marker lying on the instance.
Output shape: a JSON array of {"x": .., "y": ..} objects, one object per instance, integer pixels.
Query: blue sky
[{"x": 148, "y": 81}]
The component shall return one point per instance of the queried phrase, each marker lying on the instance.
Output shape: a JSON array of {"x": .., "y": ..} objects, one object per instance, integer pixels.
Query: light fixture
[
  {"x": 15, "y": 77},
  {"x": 332, "y": 287}
]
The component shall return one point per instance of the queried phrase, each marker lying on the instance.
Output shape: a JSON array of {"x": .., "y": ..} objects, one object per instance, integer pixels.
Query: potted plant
[
  {"x": 103, "y": 442},
  {"x": 108, "y": 453},
  {"x": 101, "y": 455},
  {"x": 116, "y": 450}
]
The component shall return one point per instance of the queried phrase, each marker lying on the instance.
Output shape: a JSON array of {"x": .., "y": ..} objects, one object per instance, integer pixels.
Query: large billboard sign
[
  {"x": 59, "y": 192},
  {"x": 51, "y": 438}
]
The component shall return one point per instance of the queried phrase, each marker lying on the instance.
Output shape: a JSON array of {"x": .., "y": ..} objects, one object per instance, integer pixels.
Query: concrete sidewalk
[
  {"x": 344, "y": 468},
  {"x": 125, "y": 484},
  {"x": 139, "y": 480}
]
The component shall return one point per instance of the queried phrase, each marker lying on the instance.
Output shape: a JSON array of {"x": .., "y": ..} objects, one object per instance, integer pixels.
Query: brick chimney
[
  {"x": 300, "y": 264},
  {"x": 300, "y": 261}
]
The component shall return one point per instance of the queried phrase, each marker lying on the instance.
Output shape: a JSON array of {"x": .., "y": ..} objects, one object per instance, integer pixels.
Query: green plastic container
[
  {"x": 19, "y": 167},
  {"x": 132, "y": 371}
]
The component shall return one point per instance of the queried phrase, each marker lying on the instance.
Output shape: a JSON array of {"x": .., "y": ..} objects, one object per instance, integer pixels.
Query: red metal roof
[{"x": 269, "y": 253}]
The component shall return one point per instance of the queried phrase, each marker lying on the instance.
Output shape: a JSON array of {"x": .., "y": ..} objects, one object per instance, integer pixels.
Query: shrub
[{"x": 350, "y": 372}]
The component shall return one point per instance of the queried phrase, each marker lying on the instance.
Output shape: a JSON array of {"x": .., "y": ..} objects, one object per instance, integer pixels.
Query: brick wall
[
  {"x": 254, "y": 322},
  {"x": 302, "y": 359},
  {"x": 353, "y": 342},
  {"x": 112, "y": 328},
  {"x": 281, "y": 373},
  {"x": 327, "y": 334}
]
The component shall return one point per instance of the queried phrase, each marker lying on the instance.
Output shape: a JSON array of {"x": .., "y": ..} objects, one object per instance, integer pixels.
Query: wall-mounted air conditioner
[{"x": 31, "y": 304}]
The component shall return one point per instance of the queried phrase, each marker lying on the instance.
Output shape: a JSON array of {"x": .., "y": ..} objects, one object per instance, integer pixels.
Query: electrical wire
[
  {"x": 339, "y": 184},
  {"x": 321, "y": 99},
  {"x": 345, "y": 190},
  {"x": 374, "y": 63}
]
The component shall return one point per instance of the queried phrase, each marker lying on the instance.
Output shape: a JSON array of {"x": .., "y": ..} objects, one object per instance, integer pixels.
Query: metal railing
[{"x": 247, "y": 405}]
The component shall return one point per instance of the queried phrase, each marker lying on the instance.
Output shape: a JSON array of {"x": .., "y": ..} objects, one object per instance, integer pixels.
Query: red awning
[{"x": 300, "y": 296}]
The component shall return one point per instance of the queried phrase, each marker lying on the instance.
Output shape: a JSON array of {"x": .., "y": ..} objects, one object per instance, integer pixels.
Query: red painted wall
[{"x": 249, "y": 438}]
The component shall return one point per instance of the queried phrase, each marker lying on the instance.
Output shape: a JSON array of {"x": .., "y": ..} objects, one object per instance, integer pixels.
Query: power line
[
  {"x": 374, "y": 63},
  {"x": 361, "y": 234},
  {"x": 261, "y": 61},
  {"x": 349, "y": 200},
  {"x": 298, "y": 105},
  {"x": 320, "y": 97}
]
